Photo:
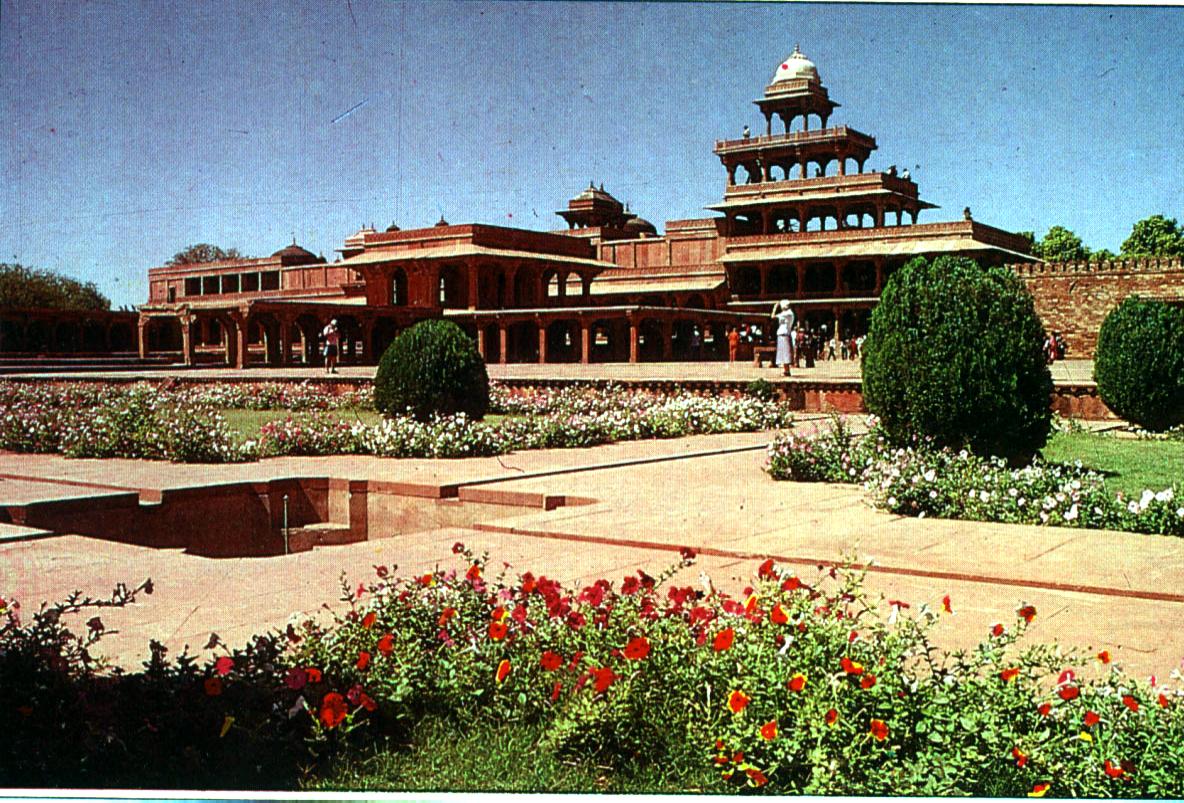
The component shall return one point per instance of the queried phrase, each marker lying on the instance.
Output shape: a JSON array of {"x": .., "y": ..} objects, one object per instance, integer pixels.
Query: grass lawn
[
  {"x": 503, "y": 757},
  {"x": 245, "y": 423},
  {"x": 1129, "y": 465}
]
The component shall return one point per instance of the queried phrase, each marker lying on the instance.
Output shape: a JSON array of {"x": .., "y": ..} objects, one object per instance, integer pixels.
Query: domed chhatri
[{"x": 796, "y": 67}]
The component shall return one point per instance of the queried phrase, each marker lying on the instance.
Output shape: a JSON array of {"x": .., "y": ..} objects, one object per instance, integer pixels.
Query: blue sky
[{"x": 131, "y": 129}]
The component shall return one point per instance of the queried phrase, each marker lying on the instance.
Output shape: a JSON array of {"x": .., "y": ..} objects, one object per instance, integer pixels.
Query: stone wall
[{"x": 1073, "y": 298}]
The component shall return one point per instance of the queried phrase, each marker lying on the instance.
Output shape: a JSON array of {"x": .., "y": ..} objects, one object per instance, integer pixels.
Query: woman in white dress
[{"x": 785, "y": 322}]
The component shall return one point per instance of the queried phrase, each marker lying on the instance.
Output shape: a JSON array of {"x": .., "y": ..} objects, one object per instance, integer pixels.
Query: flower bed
[
  {"x": 799, "y": 686},
  {"x": 919, "y": 480},
  {"x": 158, "y": 422}
]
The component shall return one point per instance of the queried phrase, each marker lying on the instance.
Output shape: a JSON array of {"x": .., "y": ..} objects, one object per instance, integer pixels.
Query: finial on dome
[{"x": 797, "y": 49}]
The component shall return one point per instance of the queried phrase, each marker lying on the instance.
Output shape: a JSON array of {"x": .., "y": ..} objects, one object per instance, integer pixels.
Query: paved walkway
[
  {"x": 1078, "y": 372},
  {"x": 1100, "y": 590}
]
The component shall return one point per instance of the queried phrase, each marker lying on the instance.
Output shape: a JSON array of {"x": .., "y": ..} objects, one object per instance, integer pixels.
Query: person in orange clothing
[{"x": 733, "y": 343}]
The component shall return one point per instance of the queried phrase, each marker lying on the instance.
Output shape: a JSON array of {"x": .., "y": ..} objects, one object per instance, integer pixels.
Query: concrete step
[
  {"x": 11, "y": 533},
  {"x": 302, "y": 539}
]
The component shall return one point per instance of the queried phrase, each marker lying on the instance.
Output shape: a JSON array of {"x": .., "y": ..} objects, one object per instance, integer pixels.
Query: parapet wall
[{"x": 1073, "y": 298}]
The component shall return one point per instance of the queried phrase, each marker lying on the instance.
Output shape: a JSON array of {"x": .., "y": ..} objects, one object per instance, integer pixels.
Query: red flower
[
  {"x": 797, "y": 682},
  {"x": 555, "y": 690},
  {"x": 1104, "y": 656},
  {"x": 997, "y": 630},
  {"x": 738, "y": 701},
  {"x": 1113, "y": 770},
  {"x": 503, "y": 669},
  {"x": 314, "y": 674},
  {"x": 832, "y": 716},
  {"x": 1020, "y": 758},
  {"x": 369, "y": 619},
  {"x": 791, "y": 584},
  {"x": 497, "y": 630},
  {"x": 765, "y": 572},
  {"x": 1130, "y": 702},
  {"x": 1009, "y": 674},
  {"x": 333, "y": 710},
  {"x": 295, "y": 679},
  {"x": 769, "y": 731},
  {"x": 427, "y": 580},
  {"x": 528, "y": 583},
  {"x": 1163, "y": 701},
  {"x": 367, "y": 702},
  {"x": 1091, "y": 719},
  {"x": 458, "y": 548},
  {"x": 686, "y": 553},
  {"x": 223, "y": 665},
  {"x": 213, "y": 686},
  {"x": 723, "y": 640},
  {"x": 637, "y": 649},
  {"x": 474, "y": 572},
  {"x": 1068, "y": 676},
  {"x": 1068, "y": 693},
  {"x": 630, "y": 585},
  {"x": 445, "y": 616},
  {"x": 550, "y": 661},
  {"x": 1045, "y": 709},
  {"x": 756, "y": 777},
  {"x": 1027, "y": 613},
  {"x": 1038, "y": 790},
  {"x": 363, "y": 659},
  {"x": 851, "y": 667},
  {"x": 602, "y": 678},
  {"x": 386, "y": 644},
  {"x": 879, "y": 729},
  {"x": 778, "y": 615},
  {"x": 867, "y": 681},
  {"x": 945, "y": 604}
]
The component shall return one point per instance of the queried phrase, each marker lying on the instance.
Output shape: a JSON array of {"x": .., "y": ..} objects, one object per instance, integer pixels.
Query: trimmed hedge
[
  {"x": 955, "y": 352},
  {"x": 1139, "y": 363},
  {"x": 433, "y": 368}
]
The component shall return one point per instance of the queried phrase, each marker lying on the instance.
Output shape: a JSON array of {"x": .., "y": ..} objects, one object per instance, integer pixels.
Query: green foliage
[
  {"x": 955, "y": 352},
  {"x": 1061, "y": 245},
  {"x": 433, "y": 368},
  {"x": 24, "y": 288},
  {"x": 1139, "y": 363},
  {"x": 761, "y": 389},
  {"x": 203, "y": 252},
  {"x": 1155, "y": 236},
  {"x": 1102, "y": 255}
]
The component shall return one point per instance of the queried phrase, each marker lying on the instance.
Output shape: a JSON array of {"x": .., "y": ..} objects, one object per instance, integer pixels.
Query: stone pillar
[
  {"x": 585, "y": 342},
  {"x": 285, "y": 343},
  {"x": 879, "y": 215},
  {"x": 474, "y": 284},
  {"x": 879, "y": 275},
  {"x": 842, "y": 165},
  {"x": 839, "y": 264},
  {"x": 542, "y": 340},
  {"x": 186, "y": 340},
  {"x": 667, "y": 339},
  {"x": 764, "y": 271},
  {"x": 481, "y": 341},
  {"x": 142, "y": 337},
  {"x": 835, "y": 313},
  {"x": 801, "y": 269},
  {"x": 237, "y": 341},
  {"x": 632, "y": 339},
  {"x": 502, "y": 342}
]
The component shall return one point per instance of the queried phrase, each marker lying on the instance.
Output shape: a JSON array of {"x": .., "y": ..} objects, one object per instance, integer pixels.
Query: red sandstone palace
[{"x": 801, "y": 218}]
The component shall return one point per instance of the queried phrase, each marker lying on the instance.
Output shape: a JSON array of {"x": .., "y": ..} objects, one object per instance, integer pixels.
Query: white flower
[
  {"x": 1146, "y": 498},
  {"x": 1164, "y": 496},
  {"x": 929, "y": 475},
  {"x": 892, "y": 501},
  {"x": 1071, "y": 513}
]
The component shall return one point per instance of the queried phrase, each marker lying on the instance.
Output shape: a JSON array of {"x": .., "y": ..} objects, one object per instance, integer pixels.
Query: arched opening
[
  {"x": 608, "y": 341},
  {"x": 696, "y": 301},
  {"x": 310, "y": 329},
  {"x": 67, "y": 338},
  {"x": 352, "y": 347},
  {"x": 747, "y": 281},
  {"x": 12, "y": 336},
  {"x": 551, "y": 282},
  {"x": 493, "y": 344},
  {"x": 522, "y": 342},
  {"x": 163, "y": 335},
  {"x": 122, "y": 338},
  {"x": 563, "y": 341},
  {"x": 782, "y": 280},
  {"x": 94, "y": 336},
  {"x": 383, "y": 333},
  {"x": 451, "y": 293},
  {"x": 820, "y": 278},
  {"x": 859, "y": 277},
  {"x": 525, "y": 288},
  {"x": 399, "y": 288},
  {"x": 686, "y": 340},
  {"x": 651, "y": 341}
]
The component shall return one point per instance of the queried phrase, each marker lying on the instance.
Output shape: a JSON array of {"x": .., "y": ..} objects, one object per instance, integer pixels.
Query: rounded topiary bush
[
  {"x": 955, "y": 352},
  {"x": 1139, "y": 363},
  {"x": 433, "y": 367}
]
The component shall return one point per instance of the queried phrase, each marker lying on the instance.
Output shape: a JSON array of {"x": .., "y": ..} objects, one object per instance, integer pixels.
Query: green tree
[
  {"x": 955, "y": 353},
  {"x": 1102, "y": 255},
  {"x": 1155, "y": 236},
  {"x": 22, "y": 287},
  {"x": 1139, "y": 363},
  {"x": 432, "y": 368},
  {"x": 1061, "y": 245},
  {"x": 203, "y": 252}
]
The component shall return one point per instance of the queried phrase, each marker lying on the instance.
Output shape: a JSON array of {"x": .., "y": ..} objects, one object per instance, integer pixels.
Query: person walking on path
[
  {"x": 785, "y": 321},
  {"x": 332, "y": 338},
  {"x": 733, "y": 344}
]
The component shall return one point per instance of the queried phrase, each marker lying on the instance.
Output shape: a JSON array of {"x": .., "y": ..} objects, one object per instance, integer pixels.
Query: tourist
[
  {"x": 785, "y": 320},
  {"x": 733, "y": 343},
  {"x": 811, "y": 347},
  {"x": 332, "y": 337},
  {"x": 696, "y": 343}
]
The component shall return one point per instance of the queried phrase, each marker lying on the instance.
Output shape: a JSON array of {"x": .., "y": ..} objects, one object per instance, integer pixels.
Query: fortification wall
[{"x": 1073, "y": 298}]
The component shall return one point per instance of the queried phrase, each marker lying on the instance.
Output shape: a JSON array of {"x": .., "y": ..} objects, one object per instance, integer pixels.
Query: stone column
[
  {"x": 285, "y": 343},
  {"x": 834, "y": 311},
  {"x": 801, "y": 270},
  {"x": 186, "y": 340},
  {"x": 667, "y": 339},
  {"x": 632, "y": 339},
  {"x": 240, "y": 322},
  {"x": 542, "y": 340},
  {"x": 879, "y": 215},
  {"x": 474, "y": 284},
  {"x": 839, "y": 264},
  {"x": 879, "y": 275},
  {"x": 142, "y": 336},
  {"x": 585, "y": 342},
  {"x": 481, "y": 341},
  {"x": 764, "y": 271},
  {"x": 502, "y": 342}
]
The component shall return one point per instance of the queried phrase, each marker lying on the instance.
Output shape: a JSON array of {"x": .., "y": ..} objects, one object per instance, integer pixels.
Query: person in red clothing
[{"x": 733, "y": 343}]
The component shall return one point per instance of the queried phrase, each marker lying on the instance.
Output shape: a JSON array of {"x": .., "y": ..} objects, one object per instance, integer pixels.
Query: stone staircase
[{"x": 326, "y": 533}]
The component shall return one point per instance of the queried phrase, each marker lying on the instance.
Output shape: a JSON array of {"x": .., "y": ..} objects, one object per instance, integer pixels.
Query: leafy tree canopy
[
  {"x": 203, "y": 252},
  {"x": 1061, "y": 245},
  {"x": 1155, "y": 236},
  {"x": 23, "y": 287}
]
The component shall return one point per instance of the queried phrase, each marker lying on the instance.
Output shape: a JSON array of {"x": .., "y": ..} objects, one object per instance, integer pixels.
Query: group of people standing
[
  {"x": 797, "y": 344},
  {"x": 1054, "y": 347}
]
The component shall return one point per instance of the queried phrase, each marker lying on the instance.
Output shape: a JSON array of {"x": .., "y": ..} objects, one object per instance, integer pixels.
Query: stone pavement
[
  {"x": 1075, "y": 372},
  {"x": 642, "y": 501}
]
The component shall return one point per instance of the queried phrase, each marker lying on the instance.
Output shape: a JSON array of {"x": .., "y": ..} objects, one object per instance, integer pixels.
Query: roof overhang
[
  {"x": 603, "y": 286},
  {"x": 885, "y": 248},
  {"x": 452, "y": 252}
]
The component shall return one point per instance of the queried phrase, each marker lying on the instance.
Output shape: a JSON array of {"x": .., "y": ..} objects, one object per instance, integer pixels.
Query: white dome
[{"x": 795, "y": 67}]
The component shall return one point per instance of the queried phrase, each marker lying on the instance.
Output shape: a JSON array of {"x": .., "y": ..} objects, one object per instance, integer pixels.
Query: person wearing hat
[
  {"x": 332, "y": 338},
  {"x": 785, "y": 321}
]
